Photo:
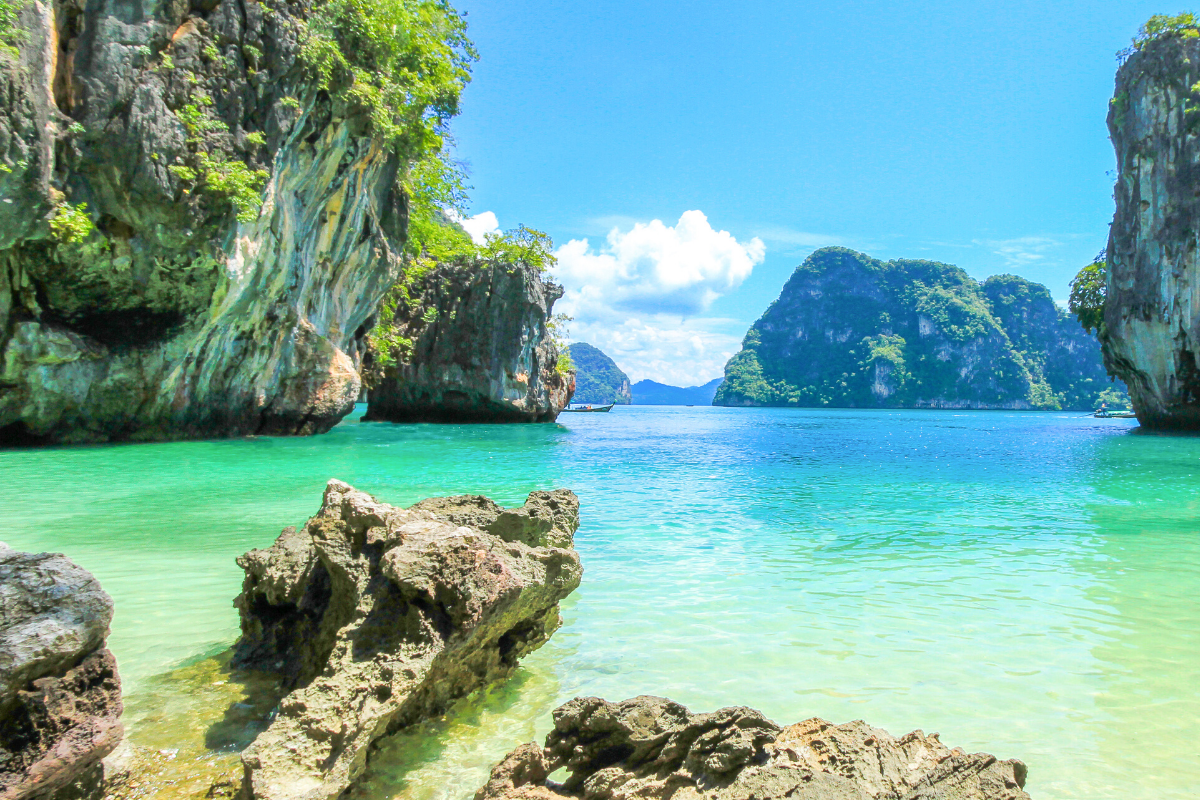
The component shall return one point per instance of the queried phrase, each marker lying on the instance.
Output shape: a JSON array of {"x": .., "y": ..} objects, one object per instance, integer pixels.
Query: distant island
[
  {"x": 652, "y": 393},
  {"x": 849, "y": 330},
  {"x": 598, "y": 379}
]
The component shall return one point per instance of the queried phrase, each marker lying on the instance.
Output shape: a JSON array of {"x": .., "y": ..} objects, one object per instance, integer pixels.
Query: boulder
[
  {"x": 379, "y": 617},
  {"x": 650, "y": 748},
  {"x": 60, "y": 696}
]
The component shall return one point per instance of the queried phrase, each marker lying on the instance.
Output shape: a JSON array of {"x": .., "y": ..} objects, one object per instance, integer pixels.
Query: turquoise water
[{"x": 1023, "y": 583}]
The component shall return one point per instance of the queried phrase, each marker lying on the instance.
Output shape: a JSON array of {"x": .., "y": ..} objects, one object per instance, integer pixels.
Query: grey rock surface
[
  {"x": 481, "y": 349},
  {"x": 174, "y": 319},
  {"x": 1151, "y": 331},
  {"x": 60, "y": 696},
  {"x": 650, "y": 748},
  {"x": 379, "y": 617}
]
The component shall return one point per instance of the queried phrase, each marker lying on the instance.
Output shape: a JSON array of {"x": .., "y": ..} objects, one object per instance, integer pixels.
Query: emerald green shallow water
[{"x": 1023, "y": 583}]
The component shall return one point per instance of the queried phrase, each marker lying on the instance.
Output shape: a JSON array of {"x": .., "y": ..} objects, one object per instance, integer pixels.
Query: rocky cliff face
[
  {"x": 649, "y": 748},
  {"x": 379, "y": 617},
  {"x": 851, "y": 331},
  {"x": 60, "y": 697},
  {"x": 191, "y": 235},
  {"x": 475, "y": 347},
  {"x": 1151, "y": 331}
]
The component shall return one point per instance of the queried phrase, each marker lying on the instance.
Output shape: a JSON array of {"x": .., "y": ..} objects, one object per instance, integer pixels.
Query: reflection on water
[{"x": 1022, "y": 583}]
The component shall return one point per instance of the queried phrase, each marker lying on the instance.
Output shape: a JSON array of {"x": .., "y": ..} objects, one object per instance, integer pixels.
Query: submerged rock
[
  {"x": 379, "y": 617},
  {"x": 481, "y": 350},
  {"x": 60, "y": 696},
  {"x": 1151, "y": 330},
  {"x": 649, "y": 748}
]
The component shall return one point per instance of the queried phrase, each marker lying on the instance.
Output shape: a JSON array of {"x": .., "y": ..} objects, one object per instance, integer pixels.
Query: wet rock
[
  {"x": 1151, "y": 330},
  {"x": 379, "y": 617},
  {"x": 650, "y": 748},
  {"x": 60, "y": 696},
  {"x": 481, "y": 349}
]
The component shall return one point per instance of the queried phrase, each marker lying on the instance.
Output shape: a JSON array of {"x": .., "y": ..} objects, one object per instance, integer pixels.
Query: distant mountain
[
  {"x": 598, "y": 379},
  {"x": 849, "y": 330},
  {"x": 650, "y": 393}
]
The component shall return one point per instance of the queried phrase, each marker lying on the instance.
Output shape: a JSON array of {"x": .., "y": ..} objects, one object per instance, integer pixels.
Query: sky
[{"x": 687, "y": 156}]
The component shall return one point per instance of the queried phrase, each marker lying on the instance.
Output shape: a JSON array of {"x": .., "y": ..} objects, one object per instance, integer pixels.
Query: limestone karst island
[{"x": 477, "y": 400}]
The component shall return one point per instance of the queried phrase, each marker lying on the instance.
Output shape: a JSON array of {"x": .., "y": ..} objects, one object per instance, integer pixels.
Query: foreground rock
[
  {"x": 60, "y": 697},
  {"x": 649, "y": 748},
  {"x": 380, "y": 617},
  {"x": 481, "y": 350},
  {"x": 1151, "y": 331}
]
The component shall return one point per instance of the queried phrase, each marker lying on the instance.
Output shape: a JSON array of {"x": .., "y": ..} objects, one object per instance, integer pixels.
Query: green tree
[
  {"x": 10, "y": 32},
  {"x": 1088, "y": 291}
]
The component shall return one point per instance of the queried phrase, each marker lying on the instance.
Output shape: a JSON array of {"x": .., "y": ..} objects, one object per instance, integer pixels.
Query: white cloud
[
  {"x": 478, "y": 225},
  {"x": 680, "y": 353},
  {"x": 656, "y": 269},
  {"x": 640, "y": 296},
  {"x": 1021, "y": 252}
]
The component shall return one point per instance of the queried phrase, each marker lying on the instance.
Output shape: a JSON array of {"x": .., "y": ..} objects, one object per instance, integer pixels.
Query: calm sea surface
[{"x": 1023, "y": 583}]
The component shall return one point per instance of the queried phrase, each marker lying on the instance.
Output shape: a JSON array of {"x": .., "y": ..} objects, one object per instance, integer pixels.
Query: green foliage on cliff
[
  {"x": 1088, "y": 290},
  {"x": 851, "y": 331},
  {"x": 1184, "y": 25},
  {"x": 227, "y": 178},
  {"x": 71, "y": 224},
  {"x": 598, "y": 379},
  {"x": 10, "y": 33},
  {"x": 403, "y": 61}
]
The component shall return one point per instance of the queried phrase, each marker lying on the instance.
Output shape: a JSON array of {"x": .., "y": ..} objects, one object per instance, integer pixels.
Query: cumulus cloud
[
  {"x": 655, "y": 268},
  {"x": 641, "y": 296},
  {"x": 477, "y": 226},
  {"x": 680, "y": 353}
]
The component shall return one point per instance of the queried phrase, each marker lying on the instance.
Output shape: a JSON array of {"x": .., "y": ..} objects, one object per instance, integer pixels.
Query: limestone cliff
[
  {"x": 192, "y": 233},
  {"x": 474, "y": 345},
  {"x": 852, "y": 331},
  {"x": 1151, "y": 330}
]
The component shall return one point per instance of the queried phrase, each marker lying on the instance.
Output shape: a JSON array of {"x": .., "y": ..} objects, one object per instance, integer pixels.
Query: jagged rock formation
[
  {"x": 379, "y": 617},
  {"x": 598, "y": 379},
  {"x": 60, "y": 696},
  {"x": 649, "y": 748},
  {"x": 478, "y": 348},
  {"x": 1151, "y": 330},
  {"x": 851, "y": 331},
  {"x": 154, "y": 313}
]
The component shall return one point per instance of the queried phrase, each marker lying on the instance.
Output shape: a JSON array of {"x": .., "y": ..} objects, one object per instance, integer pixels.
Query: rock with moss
[
  {"x": 378, "y": 617},
  {"x": 598, "y": 379},
  {"x": 201, "y": 209},
  {"x": 849, "y": 330},
  {"x": 1151, "y": 320},
  {"x": 650, "y": 748},
  {"x": 469, "y": 340},
  {"x": 60, "y": 696}
]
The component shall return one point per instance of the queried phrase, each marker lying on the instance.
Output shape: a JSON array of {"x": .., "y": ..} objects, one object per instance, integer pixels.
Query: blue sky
[{"x": 970, "y": 133}]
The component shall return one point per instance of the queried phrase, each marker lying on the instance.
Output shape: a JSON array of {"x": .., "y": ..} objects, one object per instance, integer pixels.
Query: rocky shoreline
[
  {"x": 60, "y": 695},
  {"x": 650, "y": 748}
]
